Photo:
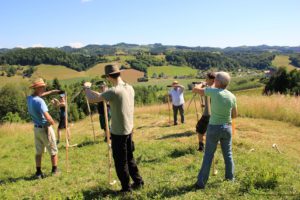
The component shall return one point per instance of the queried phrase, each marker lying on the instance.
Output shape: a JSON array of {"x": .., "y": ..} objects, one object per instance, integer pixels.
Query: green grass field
[
  {"x": 171, "y": 70},
  {"x": 283, "y": 61},
  {"x": 167, "y": 158}
]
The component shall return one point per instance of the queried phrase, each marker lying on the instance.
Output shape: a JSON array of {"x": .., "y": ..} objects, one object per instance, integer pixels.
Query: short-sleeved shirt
[
  {"x": 177, "y": 96},
  {"x": 36, "y": 108},
  {"x": 222, "y": 102},
  {"x": 121, "y": 99}
]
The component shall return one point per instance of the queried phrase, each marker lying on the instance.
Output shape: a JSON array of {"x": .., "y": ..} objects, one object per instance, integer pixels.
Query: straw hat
[
  {"x": 39, "y": 82},
  {"x": 175, "y": 83}
]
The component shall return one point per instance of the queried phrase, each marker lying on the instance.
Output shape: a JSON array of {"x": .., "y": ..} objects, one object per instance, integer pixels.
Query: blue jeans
[{"x": 216, "y": 133}]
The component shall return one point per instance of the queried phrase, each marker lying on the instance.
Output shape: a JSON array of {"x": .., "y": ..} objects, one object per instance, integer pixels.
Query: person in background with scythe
[
  {"x": 62, "y": 114},
  {"x": 44, "y": 135},
  {"x": 223, "y": 109},
  {"x": 176, "y": 96},
  {"x": 202, "y": 124},
  {"x": 121, "y": 99},
  {"x": 100, "y": 106}
]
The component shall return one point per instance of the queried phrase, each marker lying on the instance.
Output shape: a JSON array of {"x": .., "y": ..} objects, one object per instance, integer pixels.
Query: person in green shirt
[
  {"x": 223, "y": 109},
  {"x": 121, "y": 99}
]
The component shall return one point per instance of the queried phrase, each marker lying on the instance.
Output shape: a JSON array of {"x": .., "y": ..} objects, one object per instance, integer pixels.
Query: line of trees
[
  {"x": 295, "y": 60},
  {"x": 36, "y": 56},
  {"x": 13, "y": 105}
]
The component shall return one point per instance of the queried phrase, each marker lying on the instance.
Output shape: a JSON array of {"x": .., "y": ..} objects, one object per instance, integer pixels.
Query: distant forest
[{"x": 257, "y": 57}]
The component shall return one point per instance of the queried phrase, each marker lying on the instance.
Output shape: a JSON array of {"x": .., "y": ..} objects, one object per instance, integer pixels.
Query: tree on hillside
[{"x": 283, "y": 82}]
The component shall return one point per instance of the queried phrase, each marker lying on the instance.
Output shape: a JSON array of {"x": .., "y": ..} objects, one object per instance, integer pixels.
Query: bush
[{"x": 11, "y": 118}]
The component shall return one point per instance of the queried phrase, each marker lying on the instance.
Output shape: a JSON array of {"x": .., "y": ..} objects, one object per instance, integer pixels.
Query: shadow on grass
[
  {"x": 177, "y": 135},
  {"x": 101, "y": 193},
  {"x": 87, "y": 143},
  {"x": 167, "y": 192},
  {"x": 14, "y": 180},
  {"x": 182, "y": 152}
]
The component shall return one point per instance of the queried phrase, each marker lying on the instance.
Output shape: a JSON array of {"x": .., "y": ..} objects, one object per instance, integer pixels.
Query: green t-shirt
[
  {"x": 222, "y": 102},
  {"x": 121, "y": 100}
]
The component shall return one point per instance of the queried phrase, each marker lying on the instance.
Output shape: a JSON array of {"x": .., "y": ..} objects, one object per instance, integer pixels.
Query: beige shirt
[{"x": 121, "y": 99}]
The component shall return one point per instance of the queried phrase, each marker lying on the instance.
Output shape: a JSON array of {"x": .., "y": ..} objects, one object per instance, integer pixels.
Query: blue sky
[{"x": 215, "y": 23}]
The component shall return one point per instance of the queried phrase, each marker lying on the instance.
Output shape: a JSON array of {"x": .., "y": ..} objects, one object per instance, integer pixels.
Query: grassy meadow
[
  {"x": 172, "y": 70},
  {"x": 167, "y": 157},
  {"x": 283, "y": 61}
]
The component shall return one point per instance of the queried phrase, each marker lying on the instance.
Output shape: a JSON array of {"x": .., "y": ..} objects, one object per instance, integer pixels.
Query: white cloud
[
  {"x": 37, "y": 45},
  {"x": 21, "y": 46},
  {"x": 86, "y": 1},
  {"x": 76, "y": 44}
]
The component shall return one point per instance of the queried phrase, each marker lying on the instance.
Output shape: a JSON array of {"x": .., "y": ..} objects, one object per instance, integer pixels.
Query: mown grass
[
  {"x": 167, "y": 158},
  {"x": 283, "y": 61},
  {"x": 172, "y": 70}
]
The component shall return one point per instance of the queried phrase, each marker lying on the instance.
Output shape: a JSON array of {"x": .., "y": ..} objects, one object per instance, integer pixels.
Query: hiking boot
[
  {"x": 39, "y": 175},
  {"x": 136, "y": 186},
  {"x": 201, "y": 147}
]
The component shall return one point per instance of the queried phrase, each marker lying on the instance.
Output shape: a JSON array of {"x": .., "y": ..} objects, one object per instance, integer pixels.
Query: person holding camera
[
  {"x": 202, "y": 124},
  {"x": 176, "y": 96},
  {"x": 223, "y": 109}
]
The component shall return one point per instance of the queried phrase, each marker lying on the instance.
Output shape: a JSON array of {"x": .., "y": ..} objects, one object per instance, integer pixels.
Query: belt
[{"x": 38, "y": 126}]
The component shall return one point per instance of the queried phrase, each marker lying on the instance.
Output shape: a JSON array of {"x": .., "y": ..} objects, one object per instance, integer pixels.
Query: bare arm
[
  {"x": 50, "y": 93},
  {"x": 49, "y": 118},
  {"x": 234, "y": 112},
  {"x": 92, "y": 96},
  {"x": 199, "y": 89}
]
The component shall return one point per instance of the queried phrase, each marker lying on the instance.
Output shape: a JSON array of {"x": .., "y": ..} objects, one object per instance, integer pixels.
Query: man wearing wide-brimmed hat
[
  {"x": 176, "y": 95},
  {"x": 121, "y": 99},
  {"x": 44, "y": 135}
]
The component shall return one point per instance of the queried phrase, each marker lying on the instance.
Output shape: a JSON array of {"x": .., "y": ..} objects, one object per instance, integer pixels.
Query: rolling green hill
[{"x": 283, "y": 61}]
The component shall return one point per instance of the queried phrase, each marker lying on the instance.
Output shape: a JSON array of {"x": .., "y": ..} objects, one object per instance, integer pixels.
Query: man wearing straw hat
[
  {"x": 121, "y": 99},
  {"x": 176, "y": 95},
  {"x": 44, "y": 135}
]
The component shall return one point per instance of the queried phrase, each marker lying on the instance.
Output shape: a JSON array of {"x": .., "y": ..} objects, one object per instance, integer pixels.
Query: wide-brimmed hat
[
  {"x": 39, "y": 82},
  {"x": 111, "y": 69},
  {"x": 101, "y": 83},
  {"x": 175, "y": 83}
]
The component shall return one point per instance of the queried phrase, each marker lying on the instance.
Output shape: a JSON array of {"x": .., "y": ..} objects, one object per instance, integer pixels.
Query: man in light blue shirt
[
  {"x": 176, "y": 95},
  {"x": 44, "y": 135}
]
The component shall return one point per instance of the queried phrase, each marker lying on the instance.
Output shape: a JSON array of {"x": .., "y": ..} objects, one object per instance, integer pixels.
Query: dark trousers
[
  {"x": 181, "y": 111},
  {"x": 124, "y": 162}
]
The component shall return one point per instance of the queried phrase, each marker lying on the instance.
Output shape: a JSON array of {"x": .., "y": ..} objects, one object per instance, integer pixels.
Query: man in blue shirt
[{"x": 43, "y": 132}]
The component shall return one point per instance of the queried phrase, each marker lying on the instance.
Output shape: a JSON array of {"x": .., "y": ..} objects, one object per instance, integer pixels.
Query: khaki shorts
[{"x": 42, "y": 140}]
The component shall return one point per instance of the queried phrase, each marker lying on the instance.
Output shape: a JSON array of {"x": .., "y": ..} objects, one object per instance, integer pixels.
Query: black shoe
[
  {"x": 56, "y": 172},
  {"x": 136, "y": 186},
  {"x": 39, "y": 175},
  {"x": 125, "y": 191},
  {"x": 198, "y": 187},
  {"x": 57, "y": 141},
  {"x": 175, "y": 124},
  {"x": 201, "y": 147}
]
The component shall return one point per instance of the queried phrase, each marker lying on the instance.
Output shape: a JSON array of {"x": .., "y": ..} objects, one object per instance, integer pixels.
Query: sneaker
[
  {"x": 201, "y": 147},
  {"x": 136, "y": 186},
  {"x": 39, "y": 175}
]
